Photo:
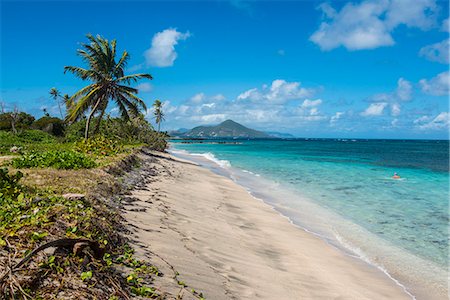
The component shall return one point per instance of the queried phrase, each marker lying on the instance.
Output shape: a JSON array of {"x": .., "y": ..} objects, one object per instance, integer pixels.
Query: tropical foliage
[
  {"x": 67, "y": 159},
  {"x": 108, "y": 83},
  {"x": 158, "y": 113},
  {"x": 55, "y": 94}
]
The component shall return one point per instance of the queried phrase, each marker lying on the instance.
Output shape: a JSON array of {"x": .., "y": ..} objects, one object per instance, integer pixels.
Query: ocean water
[{"x": 343, "y": 190}]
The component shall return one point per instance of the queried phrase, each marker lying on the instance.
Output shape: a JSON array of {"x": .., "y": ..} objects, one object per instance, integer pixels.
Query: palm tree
[
  {"x": 55, "y": 94},
  {"x": 108, "y": 82},
  {"x": 158, "y": 113}
]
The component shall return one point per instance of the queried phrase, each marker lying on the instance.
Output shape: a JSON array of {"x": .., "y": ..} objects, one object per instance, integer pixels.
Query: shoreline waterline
[{"x": 336, "y": 233}]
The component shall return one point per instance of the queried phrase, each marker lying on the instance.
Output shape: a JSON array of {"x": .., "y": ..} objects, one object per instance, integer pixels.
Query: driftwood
[{"x": 77, "y": 246}]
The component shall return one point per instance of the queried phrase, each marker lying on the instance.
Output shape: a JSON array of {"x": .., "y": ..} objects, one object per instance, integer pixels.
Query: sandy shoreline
[{"x": 228, "y": 245}]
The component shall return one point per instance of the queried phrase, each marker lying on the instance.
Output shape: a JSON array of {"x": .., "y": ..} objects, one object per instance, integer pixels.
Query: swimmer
[{"x": 396, "y": 176}]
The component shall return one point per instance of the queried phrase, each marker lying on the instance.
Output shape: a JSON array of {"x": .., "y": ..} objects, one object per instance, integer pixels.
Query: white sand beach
[{"x": 229, "y": 245}]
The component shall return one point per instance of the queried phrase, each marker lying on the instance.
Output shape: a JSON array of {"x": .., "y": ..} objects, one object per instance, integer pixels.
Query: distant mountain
[
  {"x": 178, "y": 132},
  {"x": 226, "y": 129},
  {"x": 280, "y": 135}
]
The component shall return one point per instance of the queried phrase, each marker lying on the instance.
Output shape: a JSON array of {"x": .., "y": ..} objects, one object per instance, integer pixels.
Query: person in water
[{"x": 396, "y": 176}]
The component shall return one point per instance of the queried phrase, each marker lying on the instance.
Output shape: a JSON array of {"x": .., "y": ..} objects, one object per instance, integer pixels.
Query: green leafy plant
[
  {"x": 68, "y": 159},
  {"x": 99, "y": 145},
  {"x": 86, "y": 275}
]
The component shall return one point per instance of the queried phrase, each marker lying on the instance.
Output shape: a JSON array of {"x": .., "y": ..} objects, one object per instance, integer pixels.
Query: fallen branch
[{"x": 77, "y": 245}]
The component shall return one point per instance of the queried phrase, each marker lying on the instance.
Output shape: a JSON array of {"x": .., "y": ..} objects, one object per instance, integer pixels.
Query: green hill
[{"x": 226, "y": 129}]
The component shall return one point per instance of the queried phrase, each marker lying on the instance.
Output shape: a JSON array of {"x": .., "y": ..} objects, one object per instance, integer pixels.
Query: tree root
[{"x": 76, "y": 245}]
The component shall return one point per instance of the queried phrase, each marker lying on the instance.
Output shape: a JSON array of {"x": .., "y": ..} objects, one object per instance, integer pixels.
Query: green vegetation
[
  {"x": 158, "y": 113},
  {"x": 109, "y": 83},
  {"x": 65, "y": 155},
  {"x": 67, "y": 159}
]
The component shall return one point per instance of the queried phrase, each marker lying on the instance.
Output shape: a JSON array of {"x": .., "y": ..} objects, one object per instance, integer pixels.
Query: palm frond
[{"x": 128, "y": 79}]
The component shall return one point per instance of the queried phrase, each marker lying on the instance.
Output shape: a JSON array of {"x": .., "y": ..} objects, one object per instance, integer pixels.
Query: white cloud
[
  {"x": 281, "y": 52},
  {"x": 404, "y": 90},
  {"x": 279, "y": 92},
  {"x": 211, "y": 118},
  {"x": 144, "y": 87},
  {"x": 336, "y": 117},
  {"x": 441, "y": 121},
  {"x": 314, "y": 111},
  {"x": 436, "y": 52},
  {"x": 311, "y": 103},
  {"x": 402, "y": 93},
  {"x": 445, "y": 26},
  {"x": 374, "y": 109},
  {"x": 413, "y": 13},
  {"x": 395, "y": 109},
  {"x": 198, "y": 98},
  {"x": 436, "y": 86},
  {"x": 218, "y": 97},
  {"x": 162, "y": 52},
  {"x": 369, "y": 24},
  {"x": 421, "y": 120},
  {"x": 202, "y": 98}
]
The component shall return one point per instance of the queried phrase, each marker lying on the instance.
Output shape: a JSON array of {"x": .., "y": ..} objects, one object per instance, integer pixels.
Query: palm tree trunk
[
  {"x": 88, "y": 121},
  {"x": 60, "y": 111},
  {"x": 97, "y": 126}
]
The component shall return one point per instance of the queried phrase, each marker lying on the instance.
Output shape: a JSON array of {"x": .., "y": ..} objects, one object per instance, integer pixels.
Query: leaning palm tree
[
  {"x": 67, "y": 102},
  {"x": 108, "y": 82},
  {"x": 158, "y": 113},
  {"x": 55, "y": 95}
]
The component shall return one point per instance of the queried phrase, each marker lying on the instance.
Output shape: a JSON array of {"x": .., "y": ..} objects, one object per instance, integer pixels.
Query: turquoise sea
[{"x": 343, "y": 191}]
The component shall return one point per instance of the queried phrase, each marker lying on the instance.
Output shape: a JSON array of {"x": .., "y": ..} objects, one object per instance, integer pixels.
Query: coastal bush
[
  {"x": 99, "y": 145},
  {"x": 23, "y": 121},
  {"x": 9, "y": 184},
  {"x": 51, "y": 125},
  {"x": 134, "y": 131},
  {"x": 27, "y": 139},
  {"x": 67, "y": 159}
]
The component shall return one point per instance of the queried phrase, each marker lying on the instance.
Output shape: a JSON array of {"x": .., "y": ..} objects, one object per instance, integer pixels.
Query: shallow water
[{"x": 343, "y": 190}]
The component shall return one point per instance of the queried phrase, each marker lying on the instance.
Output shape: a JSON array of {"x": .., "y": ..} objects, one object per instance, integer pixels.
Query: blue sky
[{"x": 372, "y": 69}]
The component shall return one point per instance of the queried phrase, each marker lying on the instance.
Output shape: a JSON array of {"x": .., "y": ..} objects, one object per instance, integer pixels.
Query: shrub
[
  {"x": 9, "y": 184},
  {"x": 23, "y": 121},
  {"x": 35, "y": 136},
  {"x": 52, "y": 125},
  {"x": 26, "y": 139},
  {"x": 137, "y": 130},
  {"x": 57, "y": 159},
  {"x": 99, "y": 145}
]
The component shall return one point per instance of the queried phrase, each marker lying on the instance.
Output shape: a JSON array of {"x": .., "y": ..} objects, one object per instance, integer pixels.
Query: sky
[{"x": 346, "y": 69}]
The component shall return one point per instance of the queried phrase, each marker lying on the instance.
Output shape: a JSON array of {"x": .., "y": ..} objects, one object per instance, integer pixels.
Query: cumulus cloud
[
  {"x": 311, "y": 103},
  {"x": 441, "y": 121},
  {"x": 395, "y": 109},
  {"x": 198, "y": 98},
  {"x": 404, "y": 90},
  {"x": 203, "y": 98},
  {"x": 369, "y": 24},
  {"x": 280, "y": 91},
  {"x": 374, "y": 109},
  {"x": 402, "y": 93},
  {"x": 271, "y": 108},
  {"x": 436, "y": 52},
  {"x": 445, "y": 25},
  {"x": 144, "y": 87},
  {"x": 162, "y": 52},
  {"x": 436, "y": 86},
  {"x": 218, "y": 97},
  {"x": 336, "y": 117}
]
